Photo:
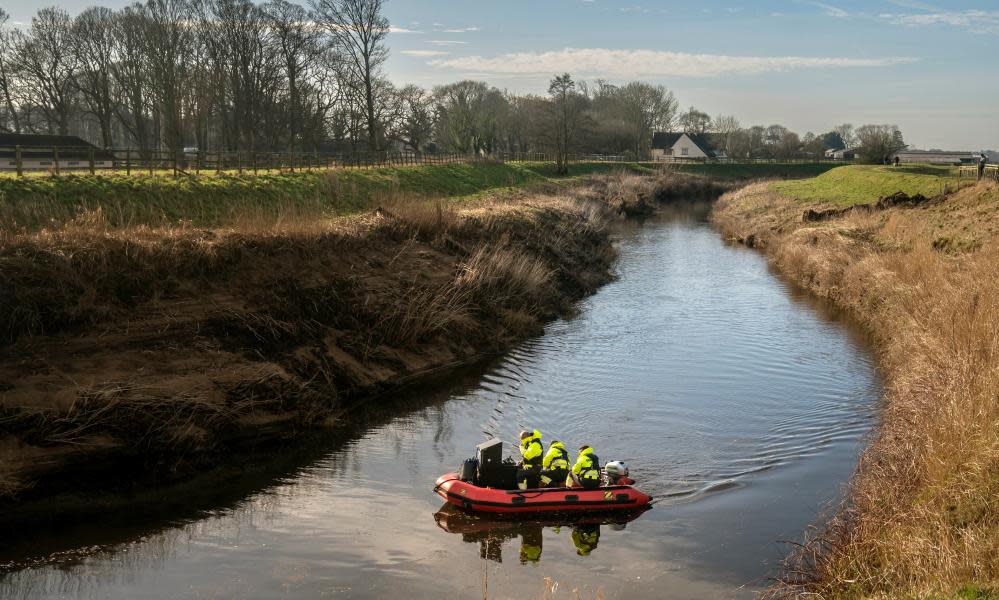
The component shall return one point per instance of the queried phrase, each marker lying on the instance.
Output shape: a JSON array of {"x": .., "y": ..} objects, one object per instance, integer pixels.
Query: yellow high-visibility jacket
[
  {"x": 586, "y": 467},
  {"x": 557, "y": 457},
  {"x": 531, "y": 450}
]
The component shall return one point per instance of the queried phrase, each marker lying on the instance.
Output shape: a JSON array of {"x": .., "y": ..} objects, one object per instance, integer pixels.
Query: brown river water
[{"x": 739, "y": 403}]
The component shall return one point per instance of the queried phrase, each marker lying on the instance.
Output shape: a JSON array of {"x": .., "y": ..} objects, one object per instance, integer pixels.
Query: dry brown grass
[
  {"x": 333, "y": 309},
  {"x": 922, "y": 518}
]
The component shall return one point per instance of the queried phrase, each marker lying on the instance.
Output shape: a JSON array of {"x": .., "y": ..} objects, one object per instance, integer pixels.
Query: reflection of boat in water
[{"x": 491, "y": 532}]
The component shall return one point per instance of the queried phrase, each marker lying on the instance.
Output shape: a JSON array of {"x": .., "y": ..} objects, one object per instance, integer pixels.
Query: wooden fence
[
  {"x": 991, "y": 172},
  {"x": 62, "y": 160}
]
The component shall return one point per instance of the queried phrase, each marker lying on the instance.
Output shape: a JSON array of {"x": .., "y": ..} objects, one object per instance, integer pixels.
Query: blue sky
[{"x": 931, "y": 67}]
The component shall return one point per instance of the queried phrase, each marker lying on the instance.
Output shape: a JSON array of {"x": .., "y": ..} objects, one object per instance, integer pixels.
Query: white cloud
[
  {"x": 424, "y": 53},
  {"x": 460, "y": 30},
  {"x": 832, "y": 11},
  {"x": 394, "y": 29},
  {"x": 975, "y": 21},
  {"x": 600, "y": 62},
  {"x": 446, "y": 42}
]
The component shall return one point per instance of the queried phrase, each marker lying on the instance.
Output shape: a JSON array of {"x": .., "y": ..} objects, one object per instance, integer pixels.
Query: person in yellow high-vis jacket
[
  {"x": 555, "y": 466},
  {"x": 531, "y": 451},
  {"x": 586, "y": 472},
  {"x": 585, "y": 538}
]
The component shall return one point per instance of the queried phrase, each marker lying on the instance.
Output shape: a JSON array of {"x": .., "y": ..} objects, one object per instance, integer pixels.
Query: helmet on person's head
[
  {"x": 525, "y": 434},
  {"x": 584, "y": 447}
]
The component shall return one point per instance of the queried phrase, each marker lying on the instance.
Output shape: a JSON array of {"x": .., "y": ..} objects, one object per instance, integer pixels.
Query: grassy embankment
[
  {"x": 922, "y": 517},
  {"x": 164, "y": 321},
  {"x": 209, "y": 200}
]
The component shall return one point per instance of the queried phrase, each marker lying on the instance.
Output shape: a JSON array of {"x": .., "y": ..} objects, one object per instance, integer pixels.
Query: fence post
[
  {"x": 174, "y": 161},
  {"x": 253, "y": 158},
  {"x": 55, "y": 156},
  {"x": 128, "y": 162},
  {"x": 90, "y": 156},
  {"x": 17, "y": 159}
]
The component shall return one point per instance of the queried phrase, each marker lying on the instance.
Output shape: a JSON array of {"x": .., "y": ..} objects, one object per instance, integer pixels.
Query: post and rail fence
[
  {"x": 991, "y": 172},
  {"x": 62, "y": 160}
]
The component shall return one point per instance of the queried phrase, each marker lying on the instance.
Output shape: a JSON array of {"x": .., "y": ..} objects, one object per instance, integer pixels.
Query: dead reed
[
  {"x": 921, "y": 518},
  {"x": 289, "y": 316}
]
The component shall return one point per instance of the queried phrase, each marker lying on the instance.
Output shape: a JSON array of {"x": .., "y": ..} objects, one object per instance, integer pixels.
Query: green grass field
[
  {"x": 756, "y": 170},
  {"x": 860, "y": 184},
  {"x": 31, "y": 203},
  {"x": 34, "y": 202}
]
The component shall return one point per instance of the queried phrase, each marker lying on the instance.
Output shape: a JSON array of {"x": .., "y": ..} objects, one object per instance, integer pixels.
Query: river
[{"x": 739, "y": 403}]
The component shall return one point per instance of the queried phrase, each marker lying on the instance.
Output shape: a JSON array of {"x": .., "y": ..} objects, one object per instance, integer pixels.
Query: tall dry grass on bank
[
  {"x": 922, "y": 516},
  {"x": 167, "y": 343}
]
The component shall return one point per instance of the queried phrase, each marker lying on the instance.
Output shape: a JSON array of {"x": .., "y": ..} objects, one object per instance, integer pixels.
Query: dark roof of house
[
  {"x": 665, "y": 141},
  {"x": 32, "y": 140},
  {"x": 946, "y": 152}
]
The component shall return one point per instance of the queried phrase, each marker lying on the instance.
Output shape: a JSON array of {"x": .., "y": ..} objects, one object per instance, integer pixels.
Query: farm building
[
  {"x": 939, "y": 157},
  {"x": 41, "y": 152},
  {"x": 843, "y": 154},
  {"x": 681, "y": 146}
]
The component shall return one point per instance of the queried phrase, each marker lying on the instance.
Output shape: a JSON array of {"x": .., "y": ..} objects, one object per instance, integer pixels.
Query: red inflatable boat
[{"x": 544, "y": 500}]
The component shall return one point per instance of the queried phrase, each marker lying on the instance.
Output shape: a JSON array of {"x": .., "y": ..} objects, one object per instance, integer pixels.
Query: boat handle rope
[{"x": 437, "y": 487}]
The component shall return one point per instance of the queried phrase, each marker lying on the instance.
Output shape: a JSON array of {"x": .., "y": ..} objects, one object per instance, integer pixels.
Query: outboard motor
[
  {"x": 617, "y": 473},
  {"x": 469, "y": 470}
]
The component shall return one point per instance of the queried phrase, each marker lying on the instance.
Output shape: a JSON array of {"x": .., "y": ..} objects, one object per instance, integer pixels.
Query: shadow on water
[{"x": 117, "y": 518}]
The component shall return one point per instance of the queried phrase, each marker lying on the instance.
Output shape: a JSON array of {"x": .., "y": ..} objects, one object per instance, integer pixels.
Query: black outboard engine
[
  {"x": 493, "y": 471},
  {"x": 469, "y": 470}
]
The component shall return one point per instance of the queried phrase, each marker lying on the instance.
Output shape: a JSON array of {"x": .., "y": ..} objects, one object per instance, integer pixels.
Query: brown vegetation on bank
[
  {"x": 922, "y": 516},
  {"x": 639, "y": 195},
  {"x": 167, "y": 346}
]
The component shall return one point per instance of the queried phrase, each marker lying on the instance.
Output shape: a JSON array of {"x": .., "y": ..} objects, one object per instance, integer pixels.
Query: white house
[
  {"x": 682, "y": 146},
  {"x": 842, "y": 154}
]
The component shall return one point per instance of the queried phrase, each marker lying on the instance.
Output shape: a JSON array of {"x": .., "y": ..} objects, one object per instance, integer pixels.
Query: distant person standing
[
  {"x": 982, "y": 161},
  {"x": 896, "y": 160}
]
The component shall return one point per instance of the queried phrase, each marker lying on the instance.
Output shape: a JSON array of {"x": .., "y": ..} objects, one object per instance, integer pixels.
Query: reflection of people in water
[
  {"x": 531, "y": 542},
  {"x": 585, "y": 538}
]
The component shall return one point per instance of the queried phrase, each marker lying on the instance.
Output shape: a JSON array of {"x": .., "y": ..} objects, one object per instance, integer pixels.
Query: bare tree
[
  {"x": 567, "y": 108},
  {"x": 48, "y": 65},
  {"x": 879, "y": 143},
  {"x": 168, "y": 40},
  {"x": 846, "y": 134},
  {"x": 416, "y": 122},
  {"x": 726, "y": 128},
  {"x": 94, "y": 46},
  {"x": 8, "y": 73},
  {"x": 694, "y": 121},
  {"x": 129, "y": 74},
  {"x": 648, "y": 108},
  {"x": 459, "y": 110},
  {"x": 296, "y": 40},
  {"x": 359, "y": 29},
  {"x": 237, "y": 33}
]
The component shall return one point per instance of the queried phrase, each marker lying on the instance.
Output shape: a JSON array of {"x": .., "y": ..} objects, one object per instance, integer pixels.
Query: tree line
[{"x": 277, "y": 76}]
